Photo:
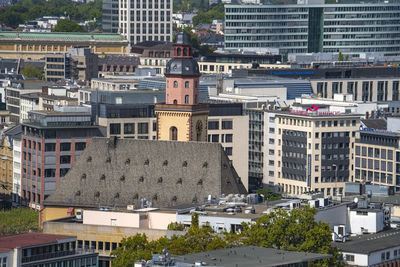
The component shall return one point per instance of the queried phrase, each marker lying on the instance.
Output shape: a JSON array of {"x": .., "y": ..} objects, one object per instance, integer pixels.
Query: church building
[{"x": 182, "y": 117}]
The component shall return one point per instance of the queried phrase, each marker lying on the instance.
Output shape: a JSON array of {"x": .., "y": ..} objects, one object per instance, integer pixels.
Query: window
[
  {"x": 186, "y": 84},
  {"x": 65, "y": 159},
  {"x": 100, "y": 245},
  {"x": 173, "y": 133},
  {"x": 65, "y": 146},
  {"x": 175, "y": 84},
  {"x": 129, "y": 128},
  {"x": 186, "y": 99},
  {"x": 143, "y": 128},
  {"x": 349, "y": 257},
  {"x": 214, "y": 138},
  {"x": 50, "y": 147},
  {"x": 213, "y": 125},
  {"x": 49, "y": 172},
  {"x": 80, "y": 146},
  {"x": 107, "y": 245},
  {"x": 228, "y": 138},
  {"x": 228, "y": 151},
  {"x": 115, "y": 128},
  {"x": 227, "y": 125}
]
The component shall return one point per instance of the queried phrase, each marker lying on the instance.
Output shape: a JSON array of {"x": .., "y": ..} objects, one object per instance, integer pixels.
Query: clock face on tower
[{"x": 199, "y": 129}]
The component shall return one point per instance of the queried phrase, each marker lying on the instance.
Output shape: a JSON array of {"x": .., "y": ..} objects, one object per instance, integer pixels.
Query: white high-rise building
[{"x": 145, "y": 20}]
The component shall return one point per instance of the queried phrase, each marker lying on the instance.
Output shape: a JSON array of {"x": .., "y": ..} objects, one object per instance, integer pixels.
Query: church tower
[{"x": 182, "y": 117}]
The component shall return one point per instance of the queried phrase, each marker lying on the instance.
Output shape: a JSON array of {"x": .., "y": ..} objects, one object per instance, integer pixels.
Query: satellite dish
[{"x": 355, "y": 200}]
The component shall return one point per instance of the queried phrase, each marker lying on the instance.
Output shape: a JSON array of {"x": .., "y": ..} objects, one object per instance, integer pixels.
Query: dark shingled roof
[
  {"x": 119, "y": 172},
  {"x": 368, "y": 243},
  {"x": 377, "y": 124},
  {"x": 250, "y": 256}
]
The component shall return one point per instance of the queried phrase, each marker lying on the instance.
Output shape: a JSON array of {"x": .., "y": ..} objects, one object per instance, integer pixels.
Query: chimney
[{"x": 45, "y": 90}]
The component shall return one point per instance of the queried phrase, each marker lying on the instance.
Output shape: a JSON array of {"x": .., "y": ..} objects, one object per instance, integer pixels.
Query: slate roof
[
  {"x": 119, "y": 172},
  {"x": 250, "y": 256},
  {"x": 368, "y": 243},
  {"x": 378, "y": 124}
]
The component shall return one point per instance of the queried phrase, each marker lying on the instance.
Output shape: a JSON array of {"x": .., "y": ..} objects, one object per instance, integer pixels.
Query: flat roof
[
  {"x": 65, "y": 36},
  {"x": 29, "y": 239},
  {"x": 368, "y": 243},
  {"x": 250, "y": 256}
]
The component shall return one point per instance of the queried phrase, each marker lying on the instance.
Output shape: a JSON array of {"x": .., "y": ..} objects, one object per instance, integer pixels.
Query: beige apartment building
[
  {"x": 313, "y": 151},
  {"x": 232, "y": 132}
]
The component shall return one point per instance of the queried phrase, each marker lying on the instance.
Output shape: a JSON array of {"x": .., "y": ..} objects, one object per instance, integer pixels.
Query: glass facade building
[{"x": 351, "y": 28}]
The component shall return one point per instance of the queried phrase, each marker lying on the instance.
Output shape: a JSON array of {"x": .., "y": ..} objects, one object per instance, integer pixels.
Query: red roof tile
[{"x": 29, "y": 239}]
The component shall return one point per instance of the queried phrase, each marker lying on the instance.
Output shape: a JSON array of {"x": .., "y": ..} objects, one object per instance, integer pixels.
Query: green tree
[
  {"x": 340, "y": 57},
  {"x": 19, "y": 220},
  {"x": 66, "y": 25},
  {"x": 31, "y": 71},
  {"x": 133, "y": 248},
  {"x": 216, "y": 12},
  {"x": 295, "y": 230},
  {"x": 195, "y": 220}
]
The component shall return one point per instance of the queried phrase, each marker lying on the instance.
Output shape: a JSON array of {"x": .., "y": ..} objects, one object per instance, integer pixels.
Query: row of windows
[
  {"x": 374, "y": 152},
  {"x": 225, "y": 138},
  {"x": 49, "y": 147},
  {"x": 226, "y": 125},
  {"x": 97, "y": 245},
  {"x": 379, "y": 177},
  {"x": 129, "y": 128},
  {"x": 374, "y": 164}
]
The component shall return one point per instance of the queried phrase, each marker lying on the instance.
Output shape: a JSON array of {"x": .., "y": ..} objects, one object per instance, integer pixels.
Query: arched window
[
  {"x": 173, "y": 133},
  {"x": 175, "y": 84},
  {"x": 175, "y": 101},
  {"x": 185, "y": 52},
  {"x": 186, "y": 99},
  {"x": 186, "y": 84},
  {"x": 178, "y": 51}
]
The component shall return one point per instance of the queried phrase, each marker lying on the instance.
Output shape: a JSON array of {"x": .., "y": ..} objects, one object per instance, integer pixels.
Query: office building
[
  {"x": 313, "y": 150},
  {"x": 14, "y": 92},
  {"x": 35, "y": 45},
  {"x": 228, "y": 126},
  {"x": 145, "y": 20},
  {"x": 51, "y": 142},
  {"x": 36, "y": 249},
  {"x": 110, "y": 16},
  {"x": 350, "y": 27},
  {"x": 376, "y": 157},
  {"x": 78, "y": 64}
]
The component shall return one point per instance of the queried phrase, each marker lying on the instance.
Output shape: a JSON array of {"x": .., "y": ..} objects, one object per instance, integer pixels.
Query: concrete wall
[
  {"x": 53, "y": 213},
  {"x": 160, "y": 220},
  {"x": 109, "y": 218}
]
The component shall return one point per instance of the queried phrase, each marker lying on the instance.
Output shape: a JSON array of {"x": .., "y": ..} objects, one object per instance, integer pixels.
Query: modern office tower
[
  {"x": 313, "y": 150},
  {"x": 145, "y": 20},
  {"x": 110, "y": 16},
  {"x": 350, "y": 27}
]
